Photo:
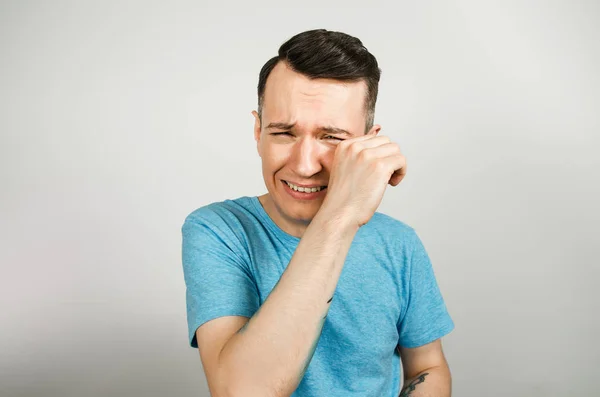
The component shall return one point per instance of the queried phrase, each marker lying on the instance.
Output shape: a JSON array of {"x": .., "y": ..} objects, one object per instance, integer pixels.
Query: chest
[{"x": 361, "y": 324}]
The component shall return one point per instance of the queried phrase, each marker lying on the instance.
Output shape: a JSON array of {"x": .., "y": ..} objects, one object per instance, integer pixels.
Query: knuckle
[
  {"x": 355, "y": 149},
  {"x": 341, "y": 146},
  {"x": 364, "y": 155},
  {"x": 379, "y": 166}
]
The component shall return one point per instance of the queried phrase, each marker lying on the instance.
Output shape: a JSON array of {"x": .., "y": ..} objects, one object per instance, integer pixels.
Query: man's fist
[{"x": 362, "y": 168}]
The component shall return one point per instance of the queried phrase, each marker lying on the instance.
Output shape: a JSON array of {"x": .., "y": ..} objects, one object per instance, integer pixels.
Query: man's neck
[{"x": 286, "y": 224}]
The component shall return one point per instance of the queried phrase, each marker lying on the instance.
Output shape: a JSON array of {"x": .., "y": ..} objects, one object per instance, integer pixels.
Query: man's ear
[
  {"x": 374, "y": 130},
  {"x": 257, "y": 128}
]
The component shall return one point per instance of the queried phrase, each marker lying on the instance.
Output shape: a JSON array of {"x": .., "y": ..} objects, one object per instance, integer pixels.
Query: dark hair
[{"x": 325, "y": 54}]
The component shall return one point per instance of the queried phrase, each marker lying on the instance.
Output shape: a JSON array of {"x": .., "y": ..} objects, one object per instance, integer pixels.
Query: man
[{"x": 306, "y": 290}]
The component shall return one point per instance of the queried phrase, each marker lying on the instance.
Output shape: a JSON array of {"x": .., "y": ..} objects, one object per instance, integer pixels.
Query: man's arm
[
  {"x": 426, "y": 371},
  {"x": 269, "y": 355}
]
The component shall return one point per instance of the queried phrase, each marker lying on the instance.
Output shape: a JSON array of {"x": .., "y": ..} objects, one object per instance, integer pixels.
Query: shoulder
[
  {"x": 386, "y": 228},
  {"x": 220, "y": 226},
  {"x": 380, "y": 219},
  {"x": 228, "y": 221},
  {"x": 386, "y": 237},
  {"x": 221, "y": 214}
]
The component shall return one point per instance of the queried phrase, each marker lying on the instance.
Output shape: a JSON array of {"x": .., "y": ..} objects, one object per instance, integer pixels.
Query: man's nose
[{"x": 306, "y": 158}]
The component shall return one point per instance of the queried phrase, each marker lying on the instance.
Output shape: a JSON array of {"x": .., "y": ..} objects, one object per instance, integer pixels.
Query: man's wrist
[{"x": 335, "y": 220}]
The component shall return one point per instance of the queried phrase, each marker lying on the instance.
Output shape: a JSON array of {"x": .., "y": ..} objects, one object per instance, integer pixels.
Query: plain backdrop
[{"x": 119, "y": 118}]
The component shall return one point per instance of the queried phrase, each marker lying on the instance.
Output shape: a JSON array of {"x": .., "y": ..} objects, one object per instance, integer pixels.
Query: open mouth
[{"x": 304, "y": 189}]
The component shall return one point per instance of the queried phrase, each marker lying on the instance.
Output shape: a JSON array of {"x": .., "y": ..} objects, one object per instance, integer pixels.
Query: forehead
[{"x": 292, "y": 97}]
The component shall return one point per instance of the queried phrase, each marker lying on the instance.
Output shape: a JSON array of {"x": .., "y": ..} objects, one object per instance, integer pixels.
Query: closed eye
[
  {"x": 333, "y": 137},
  {"x": 289, "y": 134}
]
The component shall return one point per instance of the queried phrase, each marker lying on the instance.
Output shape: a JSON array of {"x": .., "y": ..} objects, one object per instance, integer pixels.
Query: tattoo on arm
[{"x": 409, "y": 388}]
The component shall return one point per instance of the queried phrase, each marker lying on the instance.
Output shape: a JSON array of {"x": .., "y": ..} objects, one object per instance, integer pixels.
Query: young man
[{"x": 306, "y": 290}]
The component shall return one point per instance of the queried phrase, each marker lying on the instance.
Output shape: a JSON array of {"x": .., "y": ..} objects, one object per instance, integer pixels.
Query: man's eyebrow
[
  {"x": 334, "y": 130},
  {"x": 327, "y": 129},
  {"x": 281, "y": 126}
]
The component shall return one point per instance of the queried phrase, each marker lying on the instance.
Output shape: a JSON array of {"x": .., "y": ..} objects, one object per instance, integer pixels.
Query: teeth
[{"x": 304, "y": 189}]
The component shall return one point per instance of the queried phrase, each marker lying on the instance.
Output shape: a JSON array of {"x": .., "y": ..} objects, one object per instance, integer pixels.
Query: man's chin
[
  {"x": 304, "y": 216},
  {"x": 295, "y": 211},
  {"x": 301, "y": 218}
]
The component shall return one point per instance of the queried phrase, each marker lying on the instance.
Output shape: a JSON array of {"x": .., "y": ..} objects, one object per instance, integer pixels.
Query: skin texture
[{"x": 306, "y": 156}]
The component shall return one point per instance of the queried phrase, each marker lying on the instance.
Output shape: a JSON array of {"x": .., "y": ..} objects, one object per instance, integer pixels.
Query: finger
[
  {"x": 359, "y": 138},
  {"x": 374, "y": 142},
  {"x": 398, "y": 164},
  {"x": 384, "y": 150},
  {"x": 398, "y": 176}
]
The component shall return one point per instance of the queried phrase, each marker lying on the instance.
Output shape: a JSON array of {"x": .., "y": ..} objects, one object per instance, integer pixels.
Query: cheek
[
  {"x": 326, "y": 155},
  {"x": 273, "y": 156}
]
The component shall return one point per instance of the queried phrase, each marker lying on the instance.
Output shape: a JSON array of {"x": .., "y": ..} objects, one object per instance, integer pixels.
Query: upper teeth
[{"x": 304, "y": 189}]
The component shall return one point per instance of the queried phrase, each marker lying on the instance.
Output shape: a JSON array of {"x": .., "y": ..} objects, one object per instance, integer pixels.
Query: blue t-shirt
[{"x": 234, "y": 254}]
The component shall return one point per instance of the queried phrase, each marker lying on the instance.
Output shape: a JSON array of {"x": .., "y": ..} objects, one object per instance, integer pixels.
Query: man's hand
[{"x": 362, "y": 168}]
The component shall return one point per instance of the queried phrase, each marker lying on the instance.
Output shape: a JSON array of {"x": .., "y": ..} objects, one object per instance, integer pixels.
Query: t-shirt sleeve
[
  {"x": 425, "y": 317},
  {"x": 218, "y": 280}
]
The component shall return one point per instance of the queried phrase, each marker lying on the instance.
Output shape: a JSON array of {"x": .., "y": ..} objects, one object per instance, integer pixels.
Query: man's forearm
[
  {"x": 434, "y": 382},
  {"x": 269, "y": 355}
]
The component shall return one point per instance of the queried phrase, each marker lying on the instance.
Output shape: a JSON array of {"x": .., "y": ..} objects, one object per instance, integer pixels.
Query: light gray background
[{"x": 119, "y": 118}]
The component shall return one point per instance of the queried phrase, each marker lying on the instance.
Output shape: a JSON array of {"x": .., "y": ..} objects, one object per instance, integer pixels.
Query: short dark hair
[{"x": 331, "y": 55}]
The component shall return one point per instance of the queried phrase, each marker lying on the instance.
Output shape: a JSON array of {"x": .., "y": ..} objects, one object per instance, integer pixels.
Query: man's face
[{"x": 303, "y": 121}]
